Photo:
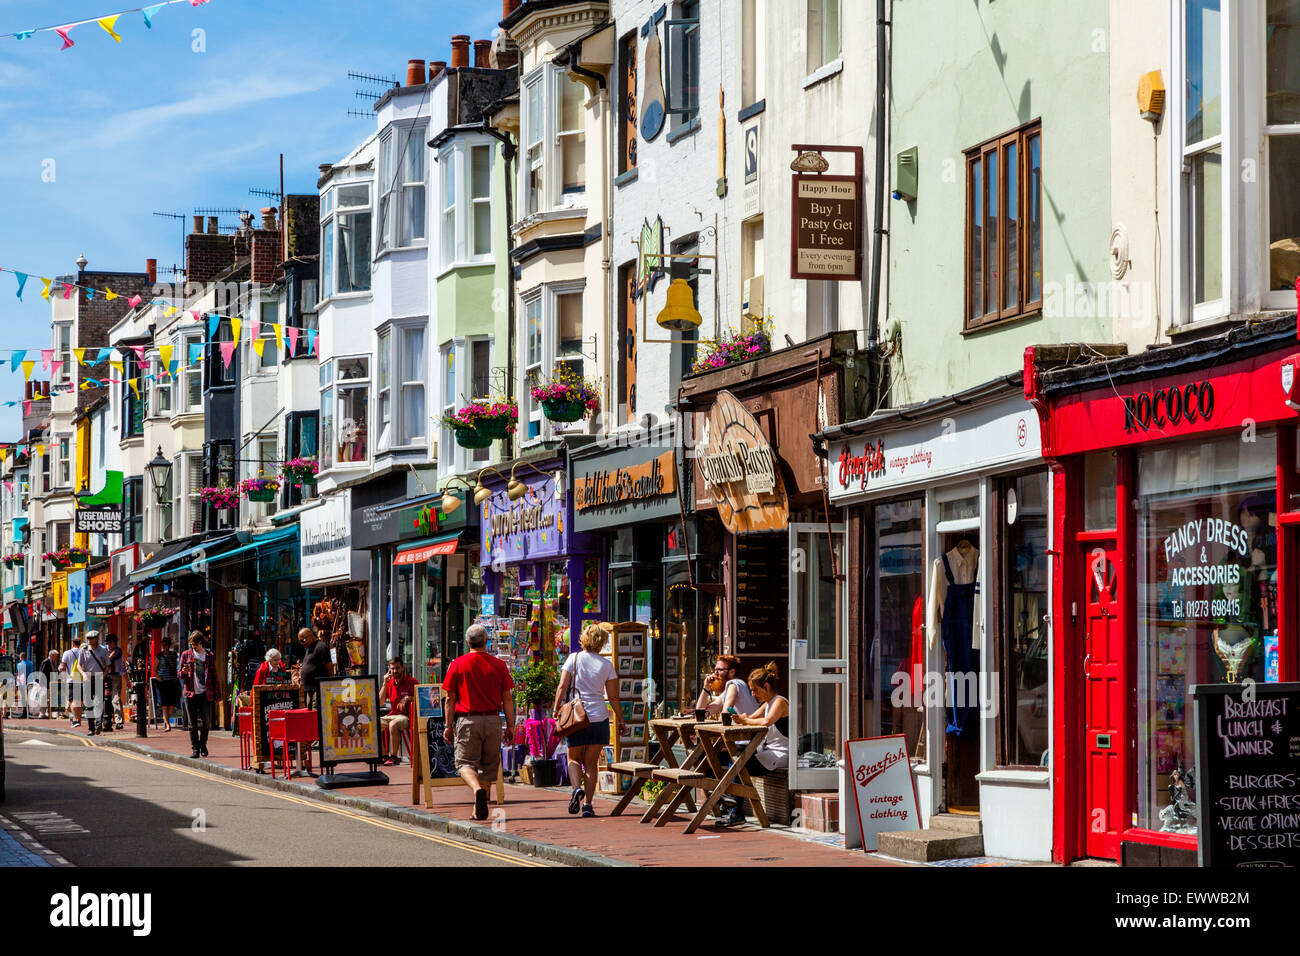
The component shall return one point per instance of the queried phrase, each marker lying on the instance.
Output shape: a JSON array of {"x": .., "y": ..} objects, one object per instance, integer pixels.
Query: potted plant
[
  {"x": 535, "y": 687},
  {"x": 259, "y": 489},
  {"x": 734, "y": 347},
  {"x": 301, "y": 471},
  {"x": 220, "y": 496},
  {"x": 566, "y": 396},
  {"x": 480, "y": 423},
  {"x": 14, "y": 559},
  {"x": 77, "y": 555},
  {"x": 60, "y": 559},
  {"x": 153, "y": 618}
]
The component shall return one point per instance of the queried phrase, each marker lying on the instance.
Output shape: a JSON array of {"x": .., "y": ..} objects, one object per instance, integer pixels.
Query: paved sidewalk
[{"x": 535, "y": 820}]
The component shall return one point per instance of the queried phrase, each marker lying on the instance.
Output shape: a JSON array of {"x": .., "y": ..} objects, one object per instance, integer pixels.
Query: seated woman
[
  {"x": 272, "y": 670},
  {"x": 773, "y": 713}
]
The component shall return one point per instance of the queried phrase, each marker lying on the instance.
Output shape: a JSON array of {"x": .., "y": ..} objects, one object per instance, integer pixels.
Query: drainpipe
[{"x": 882, "y": 193}]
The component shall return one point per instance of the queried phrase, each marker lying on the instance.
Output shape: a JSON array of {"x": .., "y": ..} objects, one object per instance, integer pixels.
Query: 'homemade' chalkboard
[{"x": 1248, "y": 762}]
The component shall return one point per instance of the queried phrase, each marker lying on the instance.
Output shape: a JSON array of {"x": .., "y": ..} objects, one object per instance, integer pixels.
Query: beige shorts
[{"x": 478, "y": 743}]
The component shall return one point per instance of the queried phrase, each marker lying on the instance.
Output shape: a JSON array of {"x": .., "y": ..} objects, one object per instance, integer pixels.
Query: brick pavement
[{"x": 532, "y": 815}]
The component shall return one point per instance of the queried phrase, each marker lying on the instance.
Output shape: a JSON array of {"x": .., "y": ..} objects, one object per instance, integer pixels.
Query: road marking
[
  {"x": 318, "y": 805},
  {"x": 47, "y": 821},
  {"x": 36, "y": 743}
]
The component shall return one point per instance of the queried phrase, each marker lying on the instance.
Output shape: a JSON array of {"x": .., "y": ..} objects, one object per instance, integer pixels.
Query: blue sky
[{"x": 151, "y": 124}]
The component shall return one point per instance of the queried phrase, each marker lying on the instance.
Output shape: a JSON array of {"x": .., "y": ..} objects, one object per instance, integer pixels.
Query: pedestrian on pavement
[
  {"x": 167, "y": 682},
  {"x": 117, "y": 677},
  {"x": 593, "y": 678},
  {"x": 22, "y": 670},
  {"x": 49, "y": 671},
  {"x": 477, "y": 688},
  {"x": 315, "y": 665},
  {"x": 72, "y": 681},
  {"x": 94, "y": 661},
  {"x": 198, "y": 674},
  {"x": 271, "y": 670},
  {"x": 399, "y": 691}
]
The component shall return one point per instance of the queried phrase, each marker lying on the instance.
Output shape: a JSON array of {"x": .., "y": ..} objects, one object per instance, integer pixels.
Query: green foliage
[{"x": 535, "y": 685}]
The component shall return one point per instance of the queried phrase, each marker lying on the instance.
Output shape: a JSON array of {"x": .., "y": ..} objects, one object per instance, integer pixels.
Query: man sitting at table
[
  {"x": 399, "y": 691},
  {"x": 733, "y": 695}
]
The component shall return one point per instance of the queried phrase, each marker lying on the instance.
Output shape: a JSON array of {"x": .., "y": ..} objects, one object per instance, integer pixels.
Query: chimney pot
[
  {"x": 325, "y": 168},
  {"x": 212, "y": 226},
  {"x": 268, "y": 218},
  {"x": 414, "y": 72},
  {"x": 198, "y": 225},
  {"x": 151, "y": 270},
  {"x": 460, "y": 51},
  {"x": 481, "y": 50},
  {"x": 508, "y": 7},
  {"x": 436, "y": 68}
]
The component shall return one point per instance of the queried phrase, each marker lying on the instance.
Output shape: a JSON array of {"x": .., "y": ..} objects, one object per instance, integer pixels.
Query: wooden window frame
[{"x": 1001, "y": 312}]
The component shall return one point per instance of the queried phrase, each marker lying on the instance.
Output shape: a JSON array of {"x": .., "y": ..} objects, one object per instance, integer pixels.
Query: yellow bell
[{"x": 679, "y": 314}]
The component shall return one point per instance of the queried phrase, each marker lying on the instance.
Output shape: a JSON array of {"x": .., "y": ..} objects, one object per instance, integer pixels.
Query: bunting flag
[
  {"x": 22, "y": 281},
  {"x": 293, "y": 338},
  {"x": 235, "y": 322},
  {"x": 279, "y": 338},
  {"x": 196, "y": 352},
  {"x": 116, "y": 366},
  {"x": 165, "y": 355},
  {"x": 313, "y": 342},
  {"x": 134, "y": 301},
  {"x": 40, "y": 450},
  {"x": 63, "y": 32},
  {"x": 214, "y": 321},
  {"x": 90, "y": 295},
  {"x": 172, "y": 366},
  {"x": 139, "y": 353},
  {"x": 135, "y": 386},
  {"x": 16, "y": 359},
  {"x": 195, "y": 313},
  {"x": 81, "y": 356},
  {"x": 103, "y": 356},
  {"x": 56, "y": 365},
  {"x": 4, "y": 455},
  {"x": 254, "y": 328},
  {"x": 227, "y": 352},
  {"x": 27, "y": 369},
  {"x": 258, "y": 344},
  {"x": 67, "y": 289},
  {"x": 46, "y": 355},
  {"x": 149, "y": 12},
  {"x": 108, "y": 23},
  {"x": 109, "y": 294},
  {"x": 171, "y": 310},
  {"x": 45, "y": 293}
]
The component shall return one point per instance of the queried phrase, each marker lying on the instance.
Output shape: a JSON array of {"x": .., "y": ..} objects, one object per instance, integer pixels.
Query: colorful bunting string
[{"x": 108, "y": 23}]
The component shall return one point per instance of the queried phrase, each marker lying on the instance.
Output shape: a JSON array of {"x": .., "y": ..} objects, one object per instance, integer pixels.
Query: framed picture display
[
  {"x": 349, "y": 719},
  {"x": 428, "y": 701}
]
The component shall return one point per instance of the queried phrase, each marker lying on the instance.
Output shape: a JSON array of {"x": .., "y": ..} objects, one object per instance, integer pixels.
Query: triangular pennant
[
  {"x": 135, "y": 386},
  {"x": 171, "y": 310},
  {"x": 4, "y": 455},
  {"x": 46, "y": 355},
  {"x": 165, "y": 355},
  {"x": 227, "y": 353},
  {"x": 171, "y": 367},
  {"x": 254, "y": 328},
  {"x": 279, "y": 337},
  {"x": 103, "y": 356},
  {"x": 258, "y": 344},
  {"x": 81, "y": 356},
  {"x": 27, "y": 406},
  {"x": 139, "y": 353},
  {"x": 313, "y": 342},
  {"x": 22, "y": 281},
  {"x": 108, "y": 23},
  {"x": 16, "y": 359},
  {"x": 56, "y": 365},
  {"x": 67, "y": 289},
  {"x": 90, "y": 295},
  {"x": 40, "y": 450},
  {"x": 149, "y": 12},
  {"x": 214, "y": 320},
  {"x": 134, "y": 301},
  {"x": 109, "y": 294},
  {"x": 196, "y": 352},
  {"x": 45, "y": 293},
  {"x": 24, "y": 34},
  {"x": 116, "y": 366},
  {"x": 235, "y": 322},
  {"x": 292, "y": 332},
  {"x": 195, "y": 313},
  {"x": 63, "y": 32},
  {"x": 27, "y": 369}
]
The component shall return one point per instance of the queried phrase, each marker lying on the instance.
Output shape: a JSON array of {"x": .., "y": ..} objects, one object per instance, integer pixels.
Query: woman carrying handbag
[{"x": 586, "y": 679}]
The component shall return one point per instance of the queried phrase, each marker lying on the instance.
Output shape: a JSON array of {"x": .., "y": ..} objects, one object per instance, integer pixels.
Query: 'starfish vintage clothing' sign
[
  {"x": 884, "y": 793},
  {"x": 983, "y": 437},
  {"x": 739, "y": 469}
]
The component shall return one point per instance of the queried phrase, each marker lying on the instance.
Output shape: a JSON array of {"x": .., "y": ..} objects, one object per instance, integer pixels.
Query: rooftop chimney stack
[
  {"x": 436, "y": 67},
  {"x": 198, "y": 225},
  {"x": 459, "y": 51},
  {"x": 414, "y": 72},
  {"x": 151, "y": 270},
  {"x": 268, "y": 217},
  {"x": 212, "y": 226},
  {"x": 508, "y": 7},
  {"x": 481, "y": 50}
]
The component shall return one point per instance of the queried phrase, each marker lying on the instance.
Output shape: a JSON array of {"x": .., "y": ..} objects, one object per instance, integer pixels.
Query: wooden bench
[
  {"x": 639, "y": 772},
  {"x": 680, "y": 781}
]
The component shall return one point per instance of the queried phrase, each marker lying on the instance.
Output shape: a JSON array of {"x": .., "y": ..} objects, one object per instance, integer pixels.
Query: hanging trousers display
[{"x": 958, "y": 623}]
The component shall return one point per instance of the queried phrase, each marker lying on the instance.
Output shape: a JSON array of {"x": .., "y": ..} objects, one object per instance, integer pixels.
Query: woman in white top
[
  {"x": 591, "y": 676},
  {"x": 773, "y": 713}
]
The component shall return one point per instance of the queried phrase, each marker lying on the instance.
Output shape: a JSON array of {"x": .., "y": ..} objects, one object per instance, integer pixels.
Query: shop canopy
[
  {"x": 114, "y": 595},
  {"x": 425, "y": 550},
  {"x": 173, "y": 554},
  {"x": 278, "y": 536}
]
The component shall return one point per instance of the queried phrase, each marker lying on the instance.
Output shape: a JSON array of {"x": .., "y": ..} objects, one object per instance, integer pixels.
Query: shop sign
[
  {"x": 739, "y": 469},
  {"x": 123, "y": 561},
  {"x": 985, "y": 436},
  {"x": 1168, "y": 406},
  {"x": 427, "y": 553},
  {"x": 533, "y": 525},
  {"x": 104, "y": 519},
  {"x": 826, "y": 220},
  {"x": 610, "y": 487},
  {"x": 884, "y": 794},
  {"x": 100, "y": 581},
  {"x": 77, "y": 597},
  {"x": 325, "y": 534},
  {"x": 59, "y": 588},
  {"x": 278, "y": 562},
  {"x": 752, "y": 196}
]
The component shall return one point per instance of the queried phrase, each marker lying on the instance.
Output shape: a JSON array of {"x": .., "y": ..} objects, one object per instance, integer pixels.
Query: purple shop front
[{"x": 528, "y": 545}]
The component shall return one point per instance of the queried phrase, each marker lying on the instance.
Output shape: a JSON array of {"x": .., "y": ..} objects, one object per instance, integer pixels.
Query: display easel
[
  {"x": 627, "y": 652},
  {"x": 428, "y": 707}
]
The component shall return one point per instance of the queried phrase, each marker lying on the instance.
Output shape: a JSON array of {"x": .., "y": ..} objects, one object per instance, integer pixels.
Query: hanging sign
[
  {"x": 739, "y": 469},
  {"x": 1246, "y": 789},
  {"x": 825, "y": 218},
  {"x": 884, "y": 793},
  {"x": 105, "y": 519}
]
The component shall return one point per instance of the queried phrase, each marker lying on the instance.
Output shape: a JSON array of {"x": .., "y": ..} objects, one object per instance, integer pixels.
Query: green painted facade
[{"x": 983, "y": 69}]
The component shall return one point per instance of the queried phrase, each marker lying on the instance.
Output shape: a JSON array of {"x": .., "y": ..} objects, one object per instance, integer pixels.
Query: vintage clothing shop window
[
  {"x": 898, "y": 628},
  {"x": 1207, "y": 601},
  {"x": 1025, "y": 635}
]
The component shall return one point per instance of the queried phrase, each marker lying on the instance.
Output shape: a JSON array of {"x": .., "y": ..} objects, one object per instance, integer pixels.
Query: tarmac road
[{"x": 95, "y": 806}]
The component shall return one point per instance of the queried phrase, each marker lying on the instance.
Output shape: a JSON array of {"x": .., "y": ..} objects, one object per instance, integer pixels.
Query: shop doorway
[
  {"x": 1104, "y": 699},
  {"x": 818, "y": 656}
]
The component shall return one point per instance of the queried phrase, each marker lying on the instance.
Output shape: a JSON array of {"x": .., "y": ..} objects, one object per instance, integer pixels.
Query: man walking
[
  {"x": 72, "y": 682},
  {"x": 315, "y": 665},
  {"x": 117, "y": 681},
  {"x": 477, "y": 688},
  {"x": 95, "y": 664},
  {"x": 199, "y": 685}
]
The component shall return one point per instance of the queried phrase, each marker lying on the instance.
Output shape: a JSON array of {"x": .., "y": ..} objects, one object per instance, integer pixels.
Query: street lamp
[
  {"x": 451, "y": 502},
  {"x": 159, "y": 471},
  {"x": 517, "y": 489}
]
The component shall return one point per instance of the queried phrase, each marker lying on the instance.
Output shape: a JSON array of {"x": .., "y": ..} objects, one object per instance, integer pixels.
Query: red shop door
[{"x": 1103, "y": 705}]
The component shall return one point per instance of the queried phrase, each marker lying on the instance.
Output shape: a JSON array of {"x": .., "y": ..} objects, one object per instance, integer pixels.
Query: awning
[
  {"x": 175, "y": 553},
  {"x": 259, "y": 541},
  {"x": 114, "y": 595},
  {"x": 425, "y": 550}
]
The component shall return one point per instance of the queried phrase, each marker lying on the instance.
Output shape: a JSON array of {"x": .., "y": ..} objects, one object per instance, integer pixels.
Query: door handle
[{"x": 1087, "y": 659}]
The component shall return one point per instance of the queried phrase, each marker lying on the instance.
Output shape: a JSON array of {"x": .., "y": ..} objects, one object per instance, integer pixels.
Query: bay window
[
  {"x": 63, "y": 353},
  {"x": 465, "y": 372},
  {"x": 402, "y": 205},
  {"x": 399, "y": 386},
  {"x": 193, "y": 484},
  {"x": 384, "y": 390},
  {"x": 1203, "y": 152},
  {"x": 466, "y": 202},
  {"x": 189, "y": 380},
  {"x": 553, "y": 338},
  {"x": 345, "y": 238},
  {"x": 554, "y": 125},
  {"x": 161, "y": 402},
  {"x": 344, "y": 409}
]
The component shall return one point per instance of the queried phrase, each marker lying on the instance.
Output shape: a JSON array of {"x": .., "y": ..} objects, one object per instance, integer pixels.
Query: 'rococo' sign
[{"x": 1172, "y": 405}]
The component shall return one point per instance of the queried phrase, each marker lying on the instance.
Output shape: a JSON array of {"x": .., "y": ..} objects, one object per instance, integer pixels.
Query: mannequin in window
[{"x": 951, "y": 615}]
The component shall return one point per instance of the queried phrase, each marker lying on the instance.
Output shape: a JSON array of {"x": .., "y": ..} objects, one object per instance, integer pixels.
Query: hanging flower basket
[
  {"x": 567, "y": 396},
  {"x": 64, "y": 558},
  {"x": 14, "y": 559},
  {"x": 259, "y": 489},
  {"x": 472, "y": 438},
  {"x": 221, "y": 497},
  {"x": 153, "y": 618},
  {"x": 482, "y": 422},
  {"x": 300, "y": 471},
  {"x": 78, "y": 556}
]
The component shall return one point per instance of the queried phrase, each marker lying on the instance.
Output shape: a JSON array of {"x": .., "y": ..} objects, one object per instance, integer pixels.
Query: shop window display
[
  {"x": 898, "y": 638},
  {"x": 1025, "y": 635},
  {"x": 1207, "y": 602}
]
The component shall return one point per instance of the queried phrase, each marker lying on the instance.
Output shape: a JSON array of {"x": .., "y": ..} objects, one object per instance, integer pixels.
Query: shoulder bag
[{"x": 572, "y": 715}]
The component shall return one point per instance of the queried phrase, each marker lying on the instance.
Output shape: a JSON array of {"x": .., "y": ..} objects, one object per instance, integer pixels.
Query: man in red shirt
[
  {"x": 477, "y": 688},
  {"x": 399, "y": 691}
]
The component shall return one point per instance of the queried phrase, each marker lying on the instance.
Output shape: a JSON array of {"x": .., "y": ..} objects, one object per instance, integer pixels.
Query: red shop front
[{"x": 1176, "y": 502}]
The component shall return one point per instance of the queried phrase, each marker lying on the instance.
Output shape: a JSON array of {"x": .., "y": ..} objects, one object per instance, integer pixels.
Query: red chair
[
  {"x": 406, "y": 740},
  {"x": 245, "y": 717},
  {"x": 292, "y": 727}
]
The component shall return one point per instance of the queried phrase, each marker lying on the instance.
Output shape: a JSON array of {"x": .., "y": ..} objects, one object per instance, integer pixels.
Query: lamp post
[{"x": 159, "y": 473}]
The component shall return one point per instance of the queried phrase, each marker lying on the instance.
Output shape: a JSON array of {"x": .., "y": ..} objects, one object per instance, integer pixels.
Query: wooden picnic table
[
  {"x": 703, "y": 768},
  {"x": 667, "y": 731}
]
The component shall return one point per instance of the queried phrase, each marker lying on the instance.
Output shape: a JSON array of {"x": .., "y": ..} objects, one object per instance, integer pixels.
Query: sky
[{"x": 96, "y": 138}]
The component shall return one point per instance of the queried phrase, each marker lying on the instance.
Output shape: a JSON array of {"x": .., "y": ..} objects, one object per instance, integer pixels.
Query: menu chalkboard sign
[
  {"x": 1248, "y": 760},
  {"x": 268, "y": 698}
]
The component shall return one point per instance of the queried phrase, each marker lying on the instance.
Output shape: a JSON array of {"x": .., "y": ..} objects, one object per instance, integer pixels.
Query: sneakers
[
  {"x": 203, "y": 751},
  {"x": 194, "y": 755},
  {"x": 480, "y": 805},
  {"x": 587, "y": 811},
  {"x": 734, "y": 818},
  {"x": 575, "y": 801}
]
